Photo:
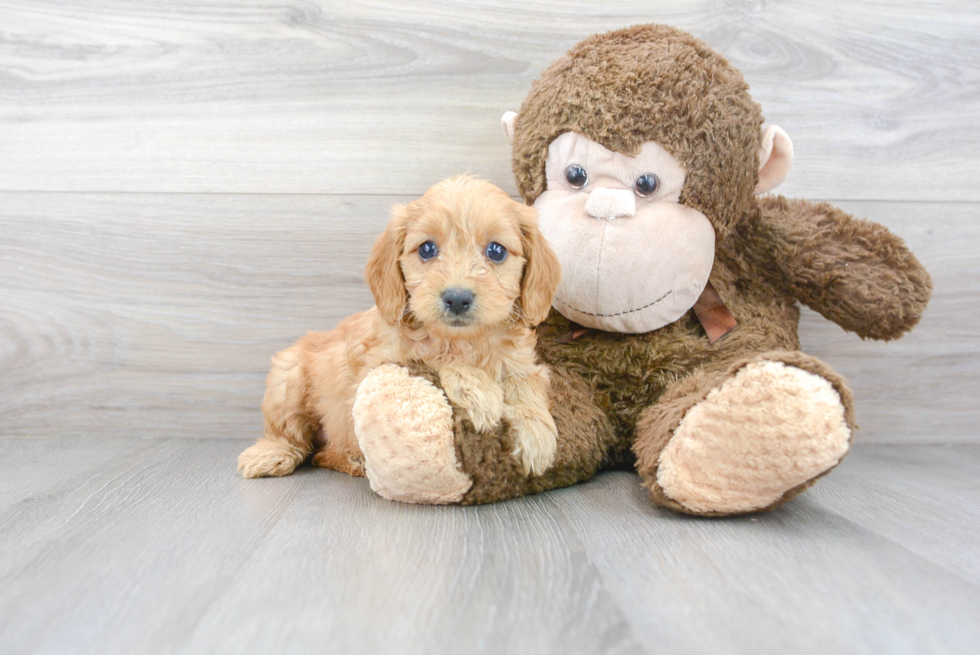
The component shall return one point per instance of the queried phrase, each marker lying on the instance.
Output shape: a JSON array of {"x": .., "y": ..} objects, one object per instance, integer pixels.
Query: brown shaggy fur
[
  {"x": 613, "y": 392},
  {"x": 649, "y": 83}
]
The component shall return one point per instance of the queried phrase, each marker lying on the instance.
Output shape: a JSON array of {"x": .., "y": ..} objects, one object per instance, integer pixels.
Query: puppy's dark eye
[
  {"x": 428, "y": 250},
  {"x": 576, "y": 176},
  {"x": 646, "y": 185},
  {"x": 496, "y": 252}
]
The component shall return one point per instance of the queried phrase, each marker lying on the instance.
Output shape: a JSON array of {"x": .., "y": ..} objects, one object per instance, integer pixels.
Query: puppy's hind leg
[
  {"x": 289, "y": 427},
  {"x": 332, "y": 458}
]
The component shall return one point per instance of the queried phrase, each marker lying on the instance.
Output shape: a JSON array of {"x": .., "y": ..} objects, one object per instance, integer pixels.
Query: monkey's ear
[
  {"x": 507, "y": 122},
  {"x": 383, "y": 273},
  {"x": 775, "y": 158}
]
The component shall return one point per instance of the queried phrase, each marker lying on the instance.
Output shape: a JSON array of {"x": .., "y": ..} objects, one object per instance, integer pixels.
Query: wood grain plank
[
  {"x": 925, "y": 498},
  {"x": 32, "y": 465},
  {"x": 152, "y": 522},
  {"x": 880, "y": 97},
  {"x": 43, "y": 512},
  {"x": 798, "y": 580},
  {"x": 193, "y": 297},
  {"x": 394, "y": 579},
  {"x": 164, "y": 549},
  {"x": 155, "y": 315},
  {"x": 173, "y": 552}
]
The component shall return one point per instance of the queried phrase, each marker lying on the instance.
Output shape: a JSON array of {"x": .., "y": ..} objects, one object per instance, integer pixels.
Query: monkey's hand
[{"x": 854, "y": 272}]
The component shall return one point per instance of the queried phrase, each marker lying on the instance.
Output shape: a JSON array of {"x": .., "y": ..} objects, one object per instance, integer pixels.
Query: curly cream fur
[{"x": 485, "y": 358}]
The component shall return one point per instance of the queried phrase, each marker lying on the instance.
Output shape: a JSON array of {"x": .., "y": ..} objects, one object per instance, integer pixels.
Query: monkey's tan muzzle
[{"x": 611, "y": 203}]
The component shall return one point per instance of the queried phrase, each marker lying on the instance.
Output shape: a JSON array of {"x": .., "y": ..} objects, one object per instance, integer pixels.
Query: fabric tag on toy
[
  {"x": 714, "y": 315},
  {"x": 574, "y": 332}
]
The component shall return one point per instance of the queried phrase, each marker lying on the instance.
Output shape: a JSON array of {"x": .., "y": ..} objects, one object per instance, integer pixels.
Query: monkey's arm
[{"x": 854, "y": 272}]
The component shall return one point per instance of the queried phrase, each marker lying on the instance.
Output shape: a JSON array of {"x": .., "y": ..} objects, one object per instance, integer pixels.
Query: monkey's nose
[
  {"x": 457, "y": 301},
  {"x": 610, "y": 203}
]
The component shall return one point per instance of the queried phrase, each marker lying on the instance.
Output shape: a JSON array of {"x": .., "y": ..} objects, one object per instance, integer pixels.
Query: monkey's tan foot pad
[
  {"x": 404, "y": 426},
  {"x": 269, "y": 458},
  {"x": 764, "y": 432}
]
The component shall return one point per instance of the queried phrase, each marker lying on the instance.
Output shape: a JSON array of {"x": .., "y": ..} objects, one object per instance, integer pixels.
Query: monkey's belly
[{"x": 629, "y": 372}]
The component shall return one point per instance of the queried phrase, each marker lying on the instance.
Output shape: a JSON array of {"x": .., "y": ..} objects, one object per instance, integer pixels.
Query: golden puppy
[{"x": 460, "y": 277}]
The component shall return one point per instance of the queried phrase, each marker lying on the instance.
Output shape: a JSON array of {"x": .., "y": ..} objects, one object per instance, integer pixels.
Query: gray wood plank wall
[{"x": 186, "y": 187}]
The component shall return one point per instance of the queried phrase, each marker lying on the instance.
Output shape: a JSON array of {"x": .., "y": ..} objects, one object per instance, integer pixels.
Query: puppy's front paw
[
  {"x": 473, "y": 391},
  {"x": 269, "y": 458},
  {"x": 486, "y": 414},
  {"x": 536, "y": 444}
]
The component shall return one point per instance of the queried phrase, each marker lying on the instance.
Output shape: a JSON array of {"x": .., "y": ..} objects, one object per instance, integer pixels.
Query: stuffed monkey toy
[{"x": 673, "y": 340}]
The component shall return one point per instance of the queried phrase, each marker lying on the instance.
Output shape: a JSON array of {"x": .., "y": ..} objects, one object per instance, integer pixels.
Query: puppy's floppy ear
[
  {"x": 383, "y": 272},
  {"x": 542, "y": 271}
]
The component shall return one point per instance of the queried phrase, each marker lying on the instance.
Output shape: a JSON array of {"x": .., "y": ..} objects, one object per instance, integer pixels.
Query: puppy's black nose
[{"x": 457, "y": 300}]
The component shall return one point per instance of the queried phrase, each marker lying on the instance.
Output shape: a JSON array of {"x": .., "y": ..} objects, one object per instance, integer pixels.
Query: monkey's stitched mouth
[{"x": 628, "y": 311}]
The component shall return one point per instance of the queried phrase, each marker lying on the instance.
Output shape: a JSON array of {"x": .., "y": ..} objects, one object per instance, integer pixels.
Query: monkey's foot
[
  {"x": 404, "y": 426},
  {"x": 760, "y": 437}
]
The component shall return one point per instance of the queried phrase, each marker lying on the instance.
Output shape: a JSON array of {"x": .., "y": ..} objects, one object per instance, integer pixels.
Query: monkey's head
[{"x": 640, "y": 149}]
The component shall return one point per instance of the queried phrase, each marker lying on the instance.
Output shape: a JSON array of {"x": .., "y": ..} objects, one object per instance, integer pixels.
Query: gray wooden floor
[
  {"x": 187, "y": 187},
  {"x": 155, "y": 545}
]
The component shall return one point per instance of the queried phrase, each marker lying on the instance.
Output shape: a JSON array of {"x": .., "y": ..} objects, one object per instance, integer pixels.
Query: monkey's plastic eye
[
  {"x": 428, "y": 250},
  {"x": 496, "y": 252},
  {"x": 576, "y": 176},
  {"x": 646, "y": 185}
]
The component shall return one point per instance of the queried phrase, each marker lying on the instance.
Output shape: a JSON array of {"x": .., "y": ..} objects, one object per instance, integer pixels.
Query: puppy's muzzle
[{"x": 457, "y": 301}]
